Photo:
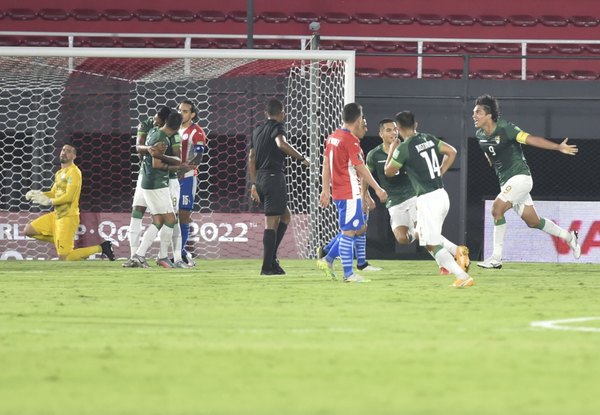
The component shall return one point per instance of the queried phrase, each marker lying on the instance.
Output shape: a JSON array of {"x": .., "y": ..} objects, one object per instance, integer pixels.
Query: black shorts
[{"x": 272, "y": 190}]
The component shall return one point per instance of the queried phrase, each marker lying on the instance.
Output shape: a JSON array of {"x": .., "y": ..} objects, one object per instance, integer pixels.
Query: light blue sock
[
  {"x": 333, "y": 248},
  {"x": 185, "y": 234},
  {"x": 360, "y": 246},
  {"x": 346, "y": 254}
]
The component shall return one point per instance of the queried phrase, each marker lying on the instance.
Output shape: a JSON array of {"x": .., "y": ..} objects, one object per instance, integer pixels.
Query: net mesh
[{"x": 96, "y": 104}]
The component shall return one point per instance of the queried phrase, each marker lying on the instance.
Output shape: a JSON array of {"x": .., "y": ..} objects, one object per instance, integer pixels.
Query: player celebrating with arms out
[{"x": 500, "y": 140}]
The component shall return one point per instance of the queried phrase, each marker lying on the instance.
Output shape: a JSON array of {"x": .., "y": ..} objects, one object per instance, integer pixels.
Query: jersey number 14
[{"x": 433, "y": 164}]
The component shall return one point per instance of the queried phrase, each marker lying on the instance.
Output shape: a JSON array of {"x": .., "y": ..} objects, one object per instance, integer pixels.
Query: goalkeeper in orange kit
[{"x": 60, "y": 225}]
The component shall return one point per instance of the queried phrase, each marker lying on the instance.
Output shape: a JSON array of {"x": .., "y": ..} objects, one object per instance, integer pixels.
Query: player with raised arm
[
  {"x": 418, "y": 154},
  {"x": 500, "y": 141},
  {"x": 60, "y": 225},
  {"x": 402, "y": 199},
  {"x": 193, "y": 146}
]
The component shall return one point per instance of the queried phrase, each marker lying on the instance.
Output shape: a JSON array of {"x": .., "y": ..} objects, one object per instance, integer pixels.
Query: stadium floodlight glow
[{"x": 94, "y": 97}]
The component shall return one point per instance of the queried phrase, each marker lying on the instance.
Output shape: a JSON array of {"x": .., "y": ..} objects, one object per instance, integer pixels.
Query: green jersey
[
  {"x": 398, "y": 187},
  {"x": 503, "y": 147},
  {"x": 174, "y": 144},
  {"x": 153, "y": 178},
  {"x": 145, "y": 126},
  {"x": 419, "y": 156}
]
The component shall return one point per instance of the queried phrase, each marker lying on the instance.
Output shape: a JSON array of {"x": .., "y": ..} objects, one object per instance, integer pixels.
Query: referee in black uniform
[{"x": 267, "y": 164}]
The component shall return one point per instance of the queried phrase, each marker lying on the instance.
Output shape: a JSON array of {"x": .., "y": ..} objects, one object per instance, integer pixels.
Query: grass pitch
[{"x": 94, "y": 338}]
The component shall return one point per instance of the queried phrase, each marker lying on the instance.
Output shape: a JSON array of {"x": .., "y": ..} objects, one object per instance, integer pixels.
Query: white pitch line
[{"x": 558, "y": 324}]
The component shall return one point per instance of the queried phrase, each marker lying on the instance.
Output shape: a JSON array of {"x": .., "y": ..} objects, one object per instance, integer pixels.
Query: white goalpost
[{"x": 95, "y": 97}]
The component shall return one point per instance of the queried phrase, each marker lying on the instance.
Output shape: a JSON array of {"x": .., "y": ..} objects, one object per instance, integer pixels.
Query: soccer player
[
  {"x": 60, "y": 225},
  {"x": 155, "y": 187},
  {"x": 402, "y": 199},
  {"x": 343, "y": 171},
  {"x": 139, "y": 205},
  {"x": 501, "y": 141},
  {"x": 267, "y": 165},
  {"x": 418, "y": 155},
  {"x": 193, "y": 146}
]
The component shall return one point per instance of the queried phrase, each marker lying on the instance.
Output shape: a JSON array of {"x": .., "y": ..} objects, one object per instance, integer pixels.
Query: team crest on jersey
[{"x": 497, "y": 139}]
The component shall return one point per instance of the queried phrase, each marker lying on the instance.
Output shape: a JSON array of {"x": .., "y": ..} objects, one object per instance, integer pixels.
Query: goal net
[{"x": 95, "y": 98}]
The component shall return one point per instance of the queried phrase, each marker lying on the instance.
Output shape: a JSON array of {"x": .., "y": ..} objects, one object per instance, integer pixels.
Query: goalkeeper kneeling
[{"x": 60, "y": 226}]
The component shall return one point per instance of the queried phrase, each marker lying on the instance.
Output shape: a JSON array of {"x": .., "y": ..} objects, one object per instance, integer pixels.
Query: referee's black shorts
[{"x": 272, "y": 190}]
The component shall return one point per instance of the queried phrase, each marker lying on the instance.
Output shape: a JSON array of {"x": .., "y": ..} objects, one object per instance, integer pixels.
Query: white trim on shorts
[
  {"x": 404, "y": 214},
  {"x": 159, "y": 201},
  {"x": 175, "y": 191}
]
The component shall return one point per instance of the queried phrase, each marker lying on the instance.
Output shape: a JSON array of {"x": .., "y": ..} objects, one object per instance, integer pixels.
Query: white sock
[
  {"x": 176, "y": 243},
  {"x": 135, "y": 231},
  {"x": 553, "y": 229},
  {"x": 166, "y": 237},
  {"x": 445, "y": 259},
  {"x": 449, "y": 246},
  {"x": 147, "y": 239},
  {"x": 499, "y": 231}
]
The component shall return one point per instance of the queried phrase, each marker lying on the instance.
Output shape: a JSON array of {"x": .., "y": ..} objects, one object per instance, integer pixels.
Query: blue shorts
[
  {"x": 350, "y": 214},
  {"x": 188, "y": 192}
]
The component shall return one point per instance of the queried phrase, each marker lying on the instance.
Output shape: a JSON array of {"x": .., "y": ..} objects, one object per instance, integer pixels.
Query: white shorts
[
  {"x": 516, "y": 191},
  {"x": 174, "y": 190},
  {"x": 138, "y": 196},
  {"x": 432, "y": 209},
  {"x": 404, "y": 214},
  {"x": 159, "y": 201}
]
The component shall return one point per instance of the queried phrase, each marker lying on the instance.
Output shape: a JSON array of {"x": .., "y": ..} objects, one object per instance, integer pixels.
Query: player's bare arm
[
  {"x": 290, "y": 150},
  {"x": 541, "y": 142},
  {"x": 326, "y": 177},
  {"x": 449, "y": 153},
  {"x": 252, "y": 171}
]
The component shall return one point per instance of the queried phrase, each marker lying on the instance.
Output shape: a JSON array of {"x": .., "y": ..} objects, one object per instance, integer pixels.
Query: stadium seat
[
  {"x": 444, "y": 47},
  {"x": 229, "y": 43},
  {"x": 305, "y": 17},
  {"x": 288, "y": 44},
  {"x": 551, "y": 75},
  {"x": 181, "y": 16},
  {"x": 240, "y": 16},
  {"x": 476, "y": 47},
  {"x": 211, "y": 16},
  {"x": 133, "y": 42},
  {"x": 522, "y": 20},
  {"x": 569, "y": 48},
  {"x": 263, "y": 44},
  {"x": 584, "y": 75},
  {"x": 165, "y": 42},
  {"x": 37, "y": 41},
  {"x": 539, "y": 48},
  {"x": 509, "y": 48},
  {"x": 430, "y": 19},
  {"x": 53, "y": 14},
  {"x": 554, "y": 21},
  {"x": 460, "y": 20},
  {"x": 491, "y": 20},
  {"x": 328, "y": 45},
  {"x": 398, "y": 18},
  {"x": 368, "y": 72},
  {"x": 368, "y": 18},
  {"x": 592, "y": 48},
  {"x": 86, "y": 15},
  {"x": 117, "y": 15},
  {"x": 454, "y": 73},
  {"x": 516, "y": 74},
  {"x": 21, "y": 14},
  {"x": 148, "y": 15},
  {"x": 201, "y": 43},
  {"x": 410, "y": 47},
  {"x": 356, "y": 45},
  {"x": 583, "y": 21},
  {"x": 397, "y": 73},
  {"x": 337, "y": 17},
  {"x": 431, "y": 73},
  {"x": 101, "y": 42},
  {"x": 381, "y": 46},
  {"x": 275, "y": 17},
  {"x": 489, "y": 74}
]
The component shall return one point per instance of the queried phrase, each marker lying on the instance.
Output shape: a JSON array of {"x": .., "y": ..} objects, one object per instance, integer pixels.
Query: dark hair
[
  {"x": 173, "y": 120},
  {"x": 192, "y": 106},
  {"x": 274, "y": 107},
  {"x": 490, "y": 105},
  {"x": 352, "y": 112},
  {"x": 163, "y": 113},
  {"x": 405, "y": 119},
  {"x": 384, "y": 122}
]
